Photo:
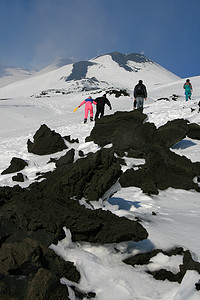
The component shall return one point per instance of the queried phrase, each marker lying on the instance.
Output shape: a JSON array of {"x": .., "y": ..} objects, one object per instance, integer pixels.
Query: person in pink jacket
[{"x": 88, "y": 107}]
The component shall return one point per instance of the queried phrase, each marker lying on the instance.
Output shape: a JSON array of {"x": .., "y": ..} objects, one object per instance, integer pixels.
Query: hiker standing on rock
[
  {"x": 101, "y": 101},
  {"x": 88, "y": 107},
  {"x": 139, "y": 94},
  {"x": 188, "y": 89}
]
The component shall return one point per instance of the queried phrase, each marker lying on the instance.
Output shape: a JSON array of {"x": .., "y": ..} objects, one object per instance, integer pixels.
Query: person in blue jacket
[{"x": 188, "y": 89}]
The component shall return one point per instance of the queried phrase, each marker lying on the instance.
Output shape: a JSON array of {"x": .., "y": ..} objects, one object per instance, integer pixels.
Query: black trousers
[{"x": 100, "y": 111}]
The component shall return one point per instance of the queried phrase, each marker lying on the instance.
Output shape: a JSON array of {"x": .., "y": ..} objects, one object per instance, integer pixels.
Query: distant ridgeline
[
  {"x": 122, "y": 59},
  {"x": 80, "y": 68},
  {"x": 2, "y": 72}
]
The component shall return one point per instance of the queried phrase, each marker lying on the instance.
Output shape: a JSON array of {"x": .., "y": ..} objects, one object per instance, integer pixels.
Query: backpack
[{"x": 139, "y": 90}]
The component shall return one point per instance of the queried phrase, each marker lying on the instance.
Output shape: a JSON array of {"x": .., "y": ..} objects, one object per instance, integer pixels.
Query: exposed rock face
[
  {"x": 46, "y": 141},
  {"x": 89, "y": 177},
  {"x": 163, "y": 274},
  {"x": 194, "y": 132},
  {"x": 66, "y": 159},
  {"x": 29, "y": 270},
  {"x": 16, "y": 164},
  {"x": 120, "y": 129},
  {"x": 19, "y": 177},
  {"x": 174, "y": 131},
  {"x": 163, "y": 168}
]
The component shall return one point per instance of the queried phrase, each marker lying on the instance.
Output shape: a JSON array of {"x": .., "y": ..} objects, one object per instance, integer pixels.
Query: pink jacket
[{"x": 88, "y": 103}]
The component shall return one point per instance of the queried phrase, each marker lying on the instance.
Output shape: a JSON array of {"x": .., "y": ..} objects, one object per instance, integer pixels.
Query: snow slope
[
  {"x": 177, "y": 217},
  {"x": 9, "y": 75},
  {"x": 103, "y": 71}
]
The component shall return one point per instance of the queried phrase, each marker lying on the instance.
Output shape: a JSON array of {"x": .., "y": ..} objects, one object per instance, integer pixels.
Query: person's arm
[
  {"x": 83, "y": 102},
  {"x": 108, "y": 103},
  {"x": 134, "y": 93},
  {"x": 145, "y": 92}
]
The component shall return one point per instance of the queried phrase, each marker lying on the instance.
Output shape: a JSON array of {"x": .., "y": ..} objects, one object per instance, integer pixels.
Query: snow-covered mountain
[
  {"x": 110, "y": 70},
  {"x": 9, "y": 75},
  {"x": 57, "y": 64}
]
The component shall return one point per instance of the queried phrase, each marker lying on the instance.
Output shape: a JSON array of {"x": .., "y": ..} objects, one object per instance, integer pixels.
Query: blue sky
[{"x": 35, "y": 33}]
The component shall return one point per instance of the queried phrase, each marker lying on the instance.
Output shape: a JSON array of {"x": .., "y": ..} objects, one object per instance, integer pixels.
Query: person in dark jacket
[
  {"x": 101, "y": 101},
  {"x": 140, "y": 93}
]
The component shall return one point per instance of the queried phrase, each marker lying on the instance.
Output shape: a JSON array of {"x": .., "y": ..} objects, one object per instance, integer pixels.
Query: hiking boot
[
  {"x": 91, "y": 119},
  {"x": 85, "y": 120}
]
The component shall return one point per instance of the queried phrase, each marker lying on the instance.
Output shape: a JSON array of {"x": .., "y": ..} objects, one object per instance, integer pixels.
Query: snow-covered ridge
[
  {"x": 9, "y": 75},
  {"x": 114, "y": 69}
]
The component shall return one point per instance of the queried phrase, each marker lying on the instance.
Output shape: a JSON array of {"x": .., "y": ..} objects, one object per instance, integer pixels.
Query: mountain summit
[{"x": 109, "y": 70}]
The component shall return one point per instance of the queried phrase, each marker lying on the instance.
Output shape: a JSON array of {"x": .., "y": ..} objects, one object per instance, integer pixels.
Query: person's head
[
  {"x": 188, "y": 80},
  {"x": 140, "y": 81}
]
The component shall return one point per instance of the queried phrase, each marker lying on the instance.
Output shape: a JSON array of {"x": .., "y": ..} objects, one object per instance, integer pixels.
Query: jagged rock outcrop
[
  {"x": 66, "y": 159},
  {"x": 29, "y": 270},
  {"x": 89, "y": 177},
  {"x": 174, "y": 131},
  {"x": 121, "y": 129},
  {"x": 188, "y": 263},
  {"x": 194, "y": 132},
  {"x": 130, "y": 135},
  {"x": 16, "y": 164},
  {"x": 46, "y": 141}
]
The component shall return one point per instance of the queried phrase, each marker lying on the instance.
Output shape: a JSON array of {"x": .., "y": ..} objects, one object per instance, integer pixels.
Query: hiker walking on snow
[
  {"x": 139, "y": 94},
  {"x": 188, "y": 89},
  {"x": 101, "y": 101},
  {"x": 88, "y": 107}
]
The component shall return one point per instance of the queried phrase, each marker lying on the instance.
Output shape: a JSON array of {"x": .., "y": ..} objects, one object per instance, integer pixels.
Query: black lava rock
[
  {"x": 16, "y": 164},
  {"x": 46, "y": 141}
]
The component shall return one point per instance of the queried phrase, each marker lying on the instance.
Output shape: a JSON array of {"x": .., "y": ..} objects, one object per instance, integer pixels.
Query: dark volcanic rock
[
  {"x": 194, "y": 132},
  {"x": 129, "y": 134},
  {"x": 163, "y": 169},
  {"x": 68, "y": 139},
  {"x": 144, "y": 258},
  {"x": 66, "y": 159},
  {"x": 174, "y": 131},
  {"x": 89, "y": 177},
  {"x": 16, "y": 164},
  {"x": 29, "y": 270},
  {"x": 46, "y": 141},
  {"x": 197, "y": 285},
  {"x": 163, "y": 274},
  {"x": 121, "y": 128},
  {"x": 19, "y": 177},
  {"x": 31, "y": 219}
]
